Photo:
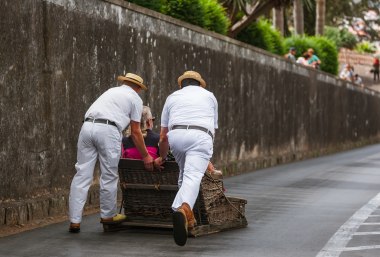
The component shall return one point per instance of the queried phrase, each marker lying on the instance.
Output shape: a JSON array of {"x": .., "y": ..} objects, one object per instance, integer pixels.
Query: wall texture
[{"x": 58, "y": 56}]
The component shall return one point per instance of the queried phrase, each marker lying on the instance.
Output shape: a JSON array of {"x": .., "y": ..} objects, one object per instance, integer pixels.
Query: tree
[
  {"x": 251, "y": 10},
  {"x": 309, "y": 15},
  {"x": 298, "y": 17},
  {"x": 341, "y": 37},
  {"x": 320, "y": 19},
  {"x": 278, "y": 19}
]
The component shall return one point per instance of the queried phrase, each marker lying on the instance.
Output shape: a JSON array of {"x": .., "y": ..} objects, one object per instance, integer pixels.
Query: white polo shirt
[
  {"x": 191, "y": 105},
  {"x": 118, "y": 104}
]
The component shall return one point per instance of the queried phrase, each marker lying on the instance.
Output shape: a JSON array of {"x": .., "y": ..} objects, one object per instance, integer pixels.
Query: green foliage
[
  {"x": 365, "y": 47},
  {"x": 262, "y": 35},
  {"x": 341, "y": 37},
  {"x": 208, "y": 14},
  {"x": 324, "y": 48},
  {"x": 191, "y": 11},
  {"x": 215, "y": 17},
  {"x": 309, "y": 16},
  {"x": 327, "y": 53},
  {"x": 348, "y": 39},
  {"x": 300, "y": 43},
  {"x": 155, "y": 5}
]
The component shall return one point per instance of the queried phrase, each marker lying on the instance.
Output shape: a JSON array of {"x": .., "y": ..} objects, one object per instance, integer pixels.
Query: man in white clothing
[
  {"x": 100, "y": 137},
  {"x": 188, "y": 122}
]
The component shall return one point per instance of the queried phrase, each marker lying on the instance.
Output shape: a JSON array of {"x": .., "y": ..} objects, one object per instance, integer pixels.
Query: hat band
[{"x": 134, "y": 79}]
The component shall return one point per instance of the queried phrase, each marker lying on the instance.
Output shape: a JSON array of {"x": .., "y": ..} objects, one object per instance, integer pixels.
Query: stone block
[
  {"x": 38, "y": 209},
  {"x": 57, "y": 206},
  {"x": 22, "y": 211},
  {"x": 2, "y": 215},
  {"x": 11, "y": 216}
]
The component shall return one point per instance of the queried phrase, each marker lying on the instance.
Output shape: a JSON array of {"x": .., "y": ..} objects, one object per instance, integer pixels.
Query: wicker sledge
[{"x": 147, "y": 199}]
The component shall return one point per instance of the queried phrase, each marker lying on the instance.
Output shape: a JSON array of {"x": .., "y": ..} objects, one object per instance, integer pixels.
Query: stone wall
[
  {"x": 58, "y": 56},
  {"x": 353, "y": 58}
]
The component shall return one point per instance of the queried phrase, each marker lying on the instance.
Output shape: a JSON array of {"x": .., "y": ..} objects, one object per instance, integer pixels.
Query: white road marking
[
  {"x": 339, "y": 240},
  {"x": 360, "y": 248},
  {"x": 371, "y": 224},
  {"x": 367, "y": 233}
]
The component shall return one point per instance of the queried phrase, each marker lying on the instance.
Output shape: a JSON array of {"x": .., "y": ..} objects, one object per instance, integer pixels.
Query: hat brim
[
  {"x": 122, "y": 78},
  {"x": 186, "y": 76}
]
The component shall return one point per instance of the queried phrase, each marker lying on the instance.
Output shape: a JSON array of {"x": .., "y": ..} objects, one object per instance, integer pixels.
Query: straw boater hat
[
  {"x": 135, "y": 79},
  {"x": 192, "y": 75}
]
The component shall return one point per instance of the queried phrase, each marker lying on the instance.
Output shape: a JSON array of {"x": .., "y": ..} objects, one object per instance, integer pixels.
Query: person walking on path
[
  {"x": 376, "y": 69},
  {"x": 188, "y": 122},
  {"x": 100, "y": 138}
]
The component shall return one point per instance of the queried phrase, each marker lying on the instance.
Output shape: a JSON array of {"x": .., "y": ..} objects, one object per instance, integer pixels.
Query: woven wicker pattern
[
  {"x": 149, "y": 195},
  {"x": 224, "y": 212},
  {"x": 142, "y": 203},
  {"x": 133, "y": 172},
  {"x": 212, "y": 191},
  {"x": 150, "y": 204}
]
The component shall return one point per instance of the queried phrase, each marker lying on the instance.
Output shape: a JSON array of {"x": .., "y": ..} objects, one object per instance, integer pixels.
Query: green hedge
[
  {"x": 365, "y": 47},
  {"x": 208, "y": 14},
  {"x": 262, "y": 35},
  {"x": 155, "y": 5},
  {"x": 328, "y": 54},
  {"x": 324, "y": 48},
  {"x": 191, "y": 11},
  {"x": 215, "y": 17},
  {"x": 342, "y": 37}
]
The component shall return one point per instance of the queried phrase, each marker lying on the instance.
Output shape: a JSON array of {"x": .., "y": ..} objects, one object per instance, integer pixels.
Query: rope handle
[{"x": 221, "y": 190}]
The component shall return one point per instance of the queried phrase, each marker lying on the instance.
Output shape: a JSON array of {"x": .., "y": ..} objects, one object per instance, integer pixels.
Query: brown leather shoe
[
  {"x": 74, "y": 227},
  {"x": 191, "y": 222}
]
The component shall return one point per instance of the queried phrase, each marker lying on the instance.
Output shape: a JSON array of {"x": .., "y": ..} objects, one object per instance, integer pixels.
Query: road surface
[{"x": 321, "y": 207}]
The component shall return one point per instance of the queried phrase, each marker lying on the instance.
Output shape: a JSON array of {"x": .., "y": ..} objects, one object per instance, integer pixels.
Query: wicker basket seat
[{"x": 148, "y": 196}]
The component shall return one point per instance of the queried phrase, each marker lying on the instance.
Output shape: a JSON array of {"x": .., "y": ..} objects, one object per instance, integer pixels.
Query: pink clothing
[
  {"x": 133, "y": 153},
  {"x": 151, "y": 142}
]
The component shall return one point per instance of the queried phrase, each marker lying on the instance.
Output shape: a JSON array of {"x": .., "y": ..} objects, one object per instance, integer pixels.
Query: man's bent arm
[
  {"x": 138, "y": 139},
  {"x": 164, "y": 143}
]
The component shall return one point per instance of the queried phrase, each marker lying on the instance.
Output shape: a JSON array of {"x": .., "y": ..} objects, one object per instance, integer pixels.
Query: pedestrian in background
[
  {"x": 347, "y": 73},
  {"x": 304, "y": 59},
  {"x": 313, "y": 61},
  {"x": 376, "y": 69},
  {"x": 358, "y": 80},
  {"x": 100, "y": 138},
  {"x": 292, "y": 54}
]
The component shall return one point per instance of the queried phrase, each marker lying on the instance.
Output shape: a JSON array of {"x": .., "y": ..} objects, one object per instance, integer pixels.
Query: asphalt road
[{"x": 320, "y": 207}]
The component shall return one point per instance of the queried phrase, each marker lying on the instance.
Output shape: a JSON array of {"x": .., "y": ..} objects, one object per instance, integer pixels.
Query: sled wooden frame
[{"x": 147, "y": 199}]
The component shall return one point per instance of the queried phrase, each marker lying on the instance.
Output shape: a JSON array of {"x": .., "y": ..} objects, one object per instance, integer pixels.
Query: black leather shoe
[{"x": 180, "y": 227}]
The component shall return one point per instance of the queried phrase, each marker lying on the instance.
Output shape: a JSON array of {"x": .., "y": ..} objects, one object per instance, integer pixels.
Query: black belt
[
  {"x": 104, "y": 121},
  {"x": 194, "y": 127}
]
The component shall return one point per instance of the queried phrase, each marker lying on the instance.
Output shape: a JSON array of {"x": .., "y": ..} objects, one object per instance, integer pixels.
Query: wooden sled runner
[{"x": 148, "y": 196}]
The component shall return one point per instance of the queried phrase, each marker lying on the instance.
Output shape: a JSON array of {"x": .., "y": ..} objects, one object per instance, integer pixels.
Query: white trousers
[
  {"x": 96, "y": 140},
  {"x": 192, "y": 150}
]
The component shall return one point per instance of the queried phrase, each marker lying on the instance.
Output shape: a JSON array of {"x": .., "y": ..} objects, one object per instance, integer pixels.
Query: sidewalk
[
  {"x": 363, "y": 71},
  {"x": 362, "y": 65}
]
